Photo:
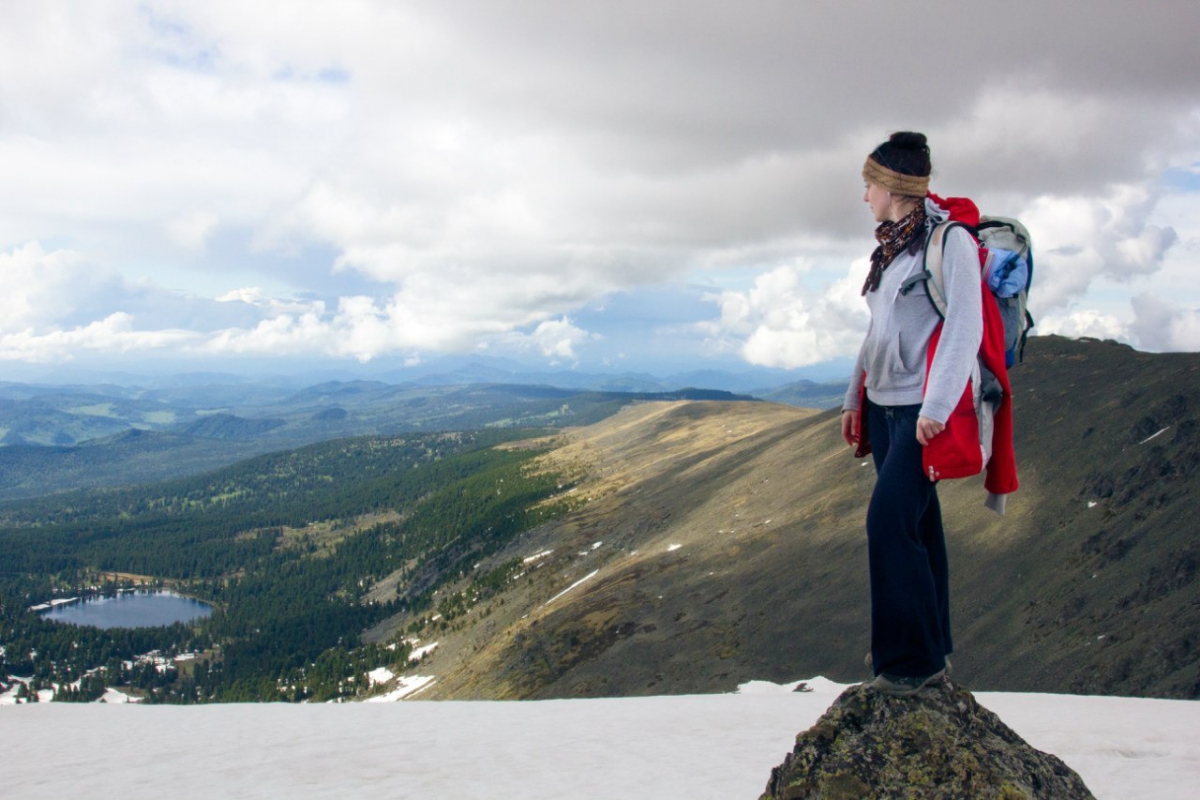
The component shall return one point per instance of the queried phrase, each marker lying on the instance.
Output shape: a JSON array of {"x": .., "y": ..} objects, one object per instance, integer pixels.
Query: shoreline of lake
[{"x": 152, "y": 608}]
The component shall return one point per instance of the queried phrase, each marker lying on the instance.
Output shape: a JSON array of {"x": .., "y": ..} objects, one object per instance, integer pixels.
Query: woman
[{"x": 901, "y": 406}]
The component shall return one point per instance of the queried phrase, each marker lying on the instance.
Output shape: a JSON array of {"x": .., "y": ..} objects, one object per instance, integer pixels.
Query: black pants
[{"x": 910, "y": 591}]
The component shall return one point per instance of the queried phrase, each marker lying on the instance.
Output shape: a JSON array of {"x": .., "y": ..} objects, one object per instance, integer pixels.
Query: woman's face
[{"x": 880, "y": 201}]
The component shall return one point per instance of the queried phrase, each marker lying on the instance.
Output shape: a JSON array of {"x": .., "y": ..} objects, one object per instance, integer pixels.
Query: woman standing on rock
[{"x": 899, "y": 400}]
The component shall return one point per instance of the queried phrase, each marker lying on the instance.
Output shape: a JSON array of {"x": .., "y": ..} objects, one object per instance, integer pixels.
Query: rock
[{"x": 938, "y": 744}]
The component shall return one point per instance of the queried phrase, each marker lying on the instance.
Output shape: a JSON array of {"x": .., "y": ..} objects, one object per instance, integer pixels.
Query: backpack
[
  {"x": 1006, "y": 263},
  {"x": 1006, "y": 257}
]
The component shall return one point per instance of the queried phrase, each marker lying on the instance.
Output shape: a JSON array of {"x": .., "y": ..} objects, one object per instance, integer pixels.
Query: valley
[{"x": 61, "y": 438}]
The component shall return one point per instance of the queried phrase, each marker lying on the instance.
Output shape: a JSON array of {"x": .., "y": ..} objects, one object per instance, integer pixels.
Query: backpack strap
[
  {"x": 989, "y": 386},
  {"x": 932, "y": 275}
]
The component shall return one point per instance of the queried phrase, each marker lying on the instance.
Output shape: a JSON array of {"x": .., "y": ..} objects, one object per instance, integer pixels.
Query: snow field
[{"x": 700, "y": 746}]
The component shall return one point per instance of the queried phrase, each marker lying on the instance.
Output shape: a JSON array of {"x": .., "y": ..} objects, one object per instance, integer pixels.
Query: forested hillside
[{"x": 286, "y": 546}]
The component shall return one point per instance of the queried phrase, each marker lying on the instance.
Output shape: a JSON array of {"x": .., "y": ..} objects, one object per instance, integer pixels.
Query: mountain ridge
[{"x": 717, "y": 543}]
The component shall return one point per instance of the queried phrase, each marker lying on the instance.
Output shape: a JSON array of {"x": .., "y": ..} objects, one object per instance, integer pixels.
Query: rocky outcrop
[{"x": 938, "y": 744}]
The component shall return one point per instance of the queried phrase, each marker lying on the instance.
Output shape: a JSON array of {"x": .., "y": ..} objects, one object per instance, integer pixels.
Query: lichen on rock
[{"x": 939, "y": 743}]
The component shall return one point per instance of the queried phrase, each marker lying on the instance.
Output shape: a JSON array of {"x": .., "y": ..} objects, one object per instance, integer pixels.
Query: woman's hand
[
  {"x": 926, "y": 429},
  {"x": 850, "y": 427}
]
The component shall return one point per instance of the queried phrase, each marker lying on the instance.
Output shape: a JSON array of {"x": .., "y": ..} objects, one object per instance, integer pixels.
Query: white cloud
[
  {"x": 114, "y": 334},
  {"x": 558, "y": 338},
  {"x": 283, "y": 335},
  {"x": 780, "y": 323},
  {"x": 1090, "y": 323},
  {"x": 249, "y": 294},
  {"x": 37, "y": 284},
  {"x": 460, "y": 172},
  {"x": 359, "y": 328},
  {"x": 271, "y": 307},
  {"x": 1164, "y": 326},
  {"x": 191, "y": 231},
  {"x": 363, "y": 329},
  {"x": 1078, "y": 240}
]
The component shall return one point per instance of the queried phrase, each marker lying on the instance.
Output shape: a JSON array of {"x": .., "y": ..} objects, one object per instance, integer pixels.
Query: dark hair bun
[
  {"x": 909, "y": 140},
  {"x": 906, "y": 152}
]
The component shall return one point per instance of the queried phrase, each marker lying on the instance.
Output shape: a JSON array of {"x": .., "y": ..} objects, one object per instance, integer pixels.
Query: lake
[{"x": 130, "y": 610}]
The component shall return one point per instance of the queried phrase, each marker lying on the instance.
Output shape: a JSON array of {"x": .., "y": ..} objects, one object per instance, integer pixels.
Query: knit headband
[{"x": 895, "y": 182}]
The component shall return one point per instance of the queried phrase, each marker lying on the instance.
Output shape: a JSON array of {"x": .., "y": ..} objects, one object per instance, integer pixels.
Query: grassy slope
[{"x": 769, "y": 579}]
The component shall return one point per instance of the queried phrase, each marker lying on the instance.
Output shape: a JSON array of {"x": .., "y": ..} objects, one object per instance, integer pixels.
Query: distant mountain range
[
  {"x": 457, "y": 371},
  {"x": 71, "y": 436}
]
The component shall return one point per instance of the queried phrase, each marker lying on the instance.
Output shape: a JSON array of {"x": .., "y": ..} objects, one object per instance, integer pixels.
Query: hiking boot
[
  {"x": 870, "y": 663},
  {"x": 900, "y": 686}
]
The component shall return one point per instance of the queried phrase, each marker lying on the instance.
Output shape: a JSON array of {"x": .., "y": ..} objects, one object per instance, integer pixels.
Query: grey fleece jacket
[{"x": 893, "y": 355}]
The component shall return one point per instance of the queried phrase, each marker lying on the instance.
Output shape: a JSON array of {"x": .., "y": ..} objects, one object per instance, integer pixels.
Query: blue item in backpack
[{"x": 1009, "y": 273}]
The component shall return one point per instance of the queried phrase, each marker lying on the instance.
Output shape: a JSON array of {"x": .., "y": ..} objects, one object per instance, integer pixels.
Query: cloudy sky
[{"x": 588, "y": 185}]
